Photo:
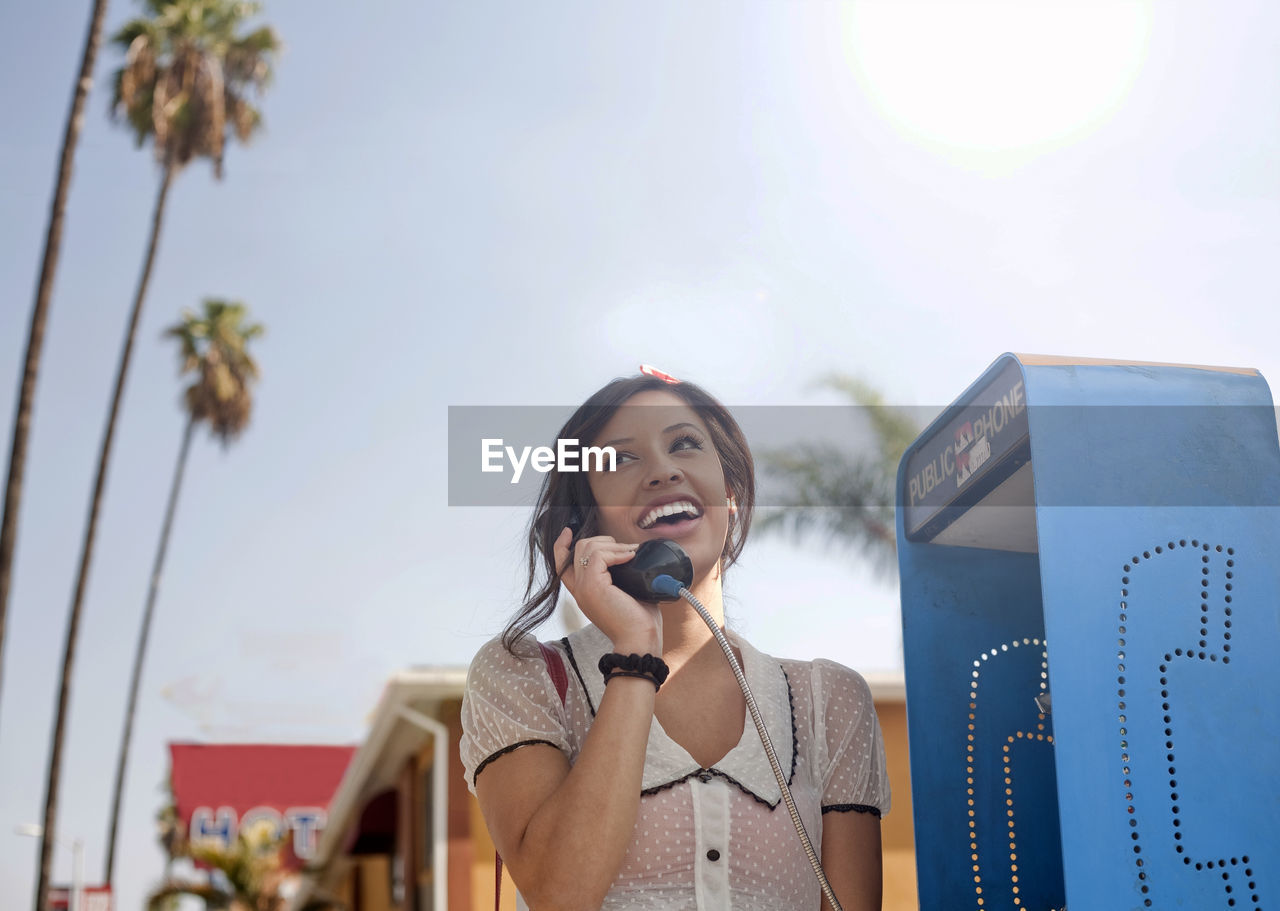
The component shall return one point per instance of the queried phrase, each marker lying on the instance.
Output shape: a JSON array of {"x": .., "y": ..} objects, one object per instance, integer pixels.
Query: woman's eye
[
  {"x": 685, "y": 442},
  {"x": 623, "y": 457}
]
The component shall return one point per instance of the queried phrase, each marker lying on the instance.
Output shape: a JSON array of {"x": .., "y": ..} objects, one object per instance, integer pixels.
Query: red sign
[
  {"x": 221, "y": 788},
  {"x": 95, "y": 898}
]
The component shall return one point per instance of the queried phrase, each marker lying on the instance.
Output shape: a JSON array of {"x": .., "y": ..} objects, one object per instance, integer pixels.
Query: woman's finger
[
  {"x": 602, "y": 554},
  {"x": 560, "y": 549}
]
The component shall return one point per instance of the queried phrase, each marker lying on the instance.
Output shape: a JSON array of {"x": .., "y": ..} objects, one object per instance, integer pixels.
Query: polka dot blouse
[{"x": 713, "y": 838}]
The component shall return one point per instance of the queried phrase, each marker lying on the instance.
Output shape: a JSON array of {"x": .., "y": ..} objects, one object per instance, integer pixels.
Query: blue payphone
[{"x": 1090, "y": 577}]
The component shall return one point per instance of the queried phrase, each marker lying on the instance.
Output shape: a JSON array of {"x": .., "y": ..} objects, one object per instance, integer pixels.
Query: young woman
[{"x": 644, "y": 789}]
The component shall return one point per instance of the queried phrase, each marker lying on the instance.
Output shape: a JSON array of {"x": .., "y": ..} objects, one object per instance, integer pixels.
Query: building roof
[{"x": 400, "y": 725}]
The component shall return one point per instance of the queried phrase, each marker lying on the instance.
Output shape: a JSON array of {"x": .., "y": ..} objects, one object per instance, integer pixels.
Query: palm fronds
[
  {"x": 245, "y": 875},
  {"x": 213, "y": 345},
  {"x": 188, "y": 73},
  {"x": 838, "y": 496}
]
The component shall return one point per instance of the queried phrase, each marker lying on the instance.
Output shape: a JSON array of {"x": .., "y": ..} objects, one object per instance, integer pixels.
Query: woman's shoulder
[
  {"x": 496, "y": 649},
  {"x": 497, "y": 664},
  {"x": 510, "y": 700},
  {"x": 828, "y": 679}
]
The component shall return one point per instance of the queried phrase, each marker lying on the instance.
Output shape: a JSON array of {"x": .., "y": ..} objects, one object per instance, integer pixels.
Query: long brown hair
[{"x": 566, "y": 496}]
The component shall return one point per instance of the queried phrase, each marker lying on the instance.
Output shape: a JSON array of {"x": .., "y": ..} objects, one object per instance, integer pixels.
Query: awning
[{"x": 375, "y": 833}]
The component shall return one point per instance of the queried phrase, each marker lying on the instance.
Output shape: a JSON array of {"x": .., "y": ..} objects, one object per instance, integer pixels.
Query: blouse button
[
  {"x": 704, "y": 776},
  {"x": 713, "y": 855}
]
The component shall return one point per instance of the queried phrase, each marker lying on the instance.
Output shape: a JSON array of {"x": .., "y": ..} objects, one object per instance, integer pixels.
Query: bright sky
[{"x": 509, "y": 204}]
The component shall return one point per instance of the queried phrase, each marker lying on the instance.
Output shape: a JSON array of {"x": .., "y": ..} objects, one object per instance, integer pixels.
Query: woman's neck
[{"x": 684, "y": 633}]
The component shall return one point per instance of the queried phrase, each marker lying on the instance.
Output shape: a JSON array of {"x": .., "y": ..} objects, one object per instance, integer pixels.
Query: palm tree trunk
[
  {"x": 86, "y": 556},
  {"x": 40, "y": 312},
  {"x": 141, "y": 651}
]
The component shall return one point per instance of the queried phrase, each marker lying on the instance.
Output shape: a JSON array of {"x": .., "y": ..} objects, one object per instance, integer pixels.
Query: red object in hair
[{"x": 649, "y": 370}]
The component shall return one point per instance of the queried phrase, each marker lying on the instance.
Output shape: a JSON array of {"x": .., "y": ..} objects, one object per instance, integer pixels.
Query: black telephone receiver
[{"x": 658, "y": 557}]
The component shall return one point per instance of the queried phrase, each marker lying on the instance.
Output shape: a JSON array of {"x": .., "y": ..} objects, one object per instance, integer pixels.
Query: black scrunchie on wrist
[{"x": 649, "y": 667}]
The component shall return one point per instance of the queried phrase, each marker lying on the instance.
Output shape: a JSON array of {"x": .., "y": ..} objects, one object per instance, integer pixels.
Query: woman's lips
[
  {"x": 674, "y": 529},
  {"x": 675, "y": 506}
]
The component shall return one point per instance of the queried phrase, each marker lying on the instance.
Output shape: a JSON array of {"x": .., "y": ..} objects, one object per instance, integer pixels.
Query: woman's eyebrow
[{"x": 622, "y": 441}]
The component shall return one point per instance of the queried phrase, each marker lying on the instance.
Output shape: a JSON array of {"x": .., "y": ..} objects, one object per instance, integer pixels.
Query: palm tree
[
  {"x": 245, "y": 875},
  {"x": 844, "y": 497},
  {"x": 187, "y": 72},
  {"x": 40, "y": 311},
  {"x": 213, "y": 347}
]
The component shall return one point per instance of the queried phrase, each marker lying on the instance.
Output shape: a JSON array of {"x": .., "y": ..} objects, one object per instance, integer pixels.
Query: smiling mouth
[{"x": 670, "y": 513}]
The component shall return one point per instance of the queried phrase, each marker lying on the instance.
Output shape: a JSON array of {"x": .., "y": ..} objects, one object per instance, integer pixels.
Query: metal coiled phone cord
[{"x": 764, "y": 739}]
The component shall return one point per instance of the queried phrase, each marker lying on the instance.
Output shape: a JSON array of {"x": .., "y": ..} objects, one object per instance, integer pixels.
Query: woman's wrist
[
  {"x": 642, "y": 683},
  {"x": 646, "y": 667},
  {"x": 639, "y": 645}
]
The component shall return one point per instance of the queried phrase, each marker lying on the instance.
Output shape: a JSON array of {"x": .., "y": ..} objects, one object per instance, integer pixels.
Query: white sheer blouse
[{"x": 714, "y": 838}]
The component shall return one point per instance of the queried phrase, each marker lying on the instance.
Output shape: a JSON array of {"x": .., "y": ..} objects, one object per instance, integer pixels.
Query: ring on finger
[{"x": 583, "y": 561}]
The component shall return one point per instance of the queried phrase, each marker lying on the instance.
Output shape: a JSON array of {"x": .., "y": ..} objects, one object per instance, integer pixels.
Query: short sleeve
[
  {"x": 509, "y": 701},
  {"x": 849, "y": 742}
]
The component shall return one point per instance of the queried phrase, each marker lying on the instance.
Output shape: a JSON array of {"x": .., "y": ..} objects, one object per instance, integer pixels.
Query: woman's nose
[{"x": 665, "y": 473}]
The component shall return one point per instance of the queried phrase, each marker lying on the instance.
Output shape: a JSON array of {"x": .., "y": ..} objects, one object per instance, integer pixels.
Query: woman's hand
[{"x": 630, "y": 625}]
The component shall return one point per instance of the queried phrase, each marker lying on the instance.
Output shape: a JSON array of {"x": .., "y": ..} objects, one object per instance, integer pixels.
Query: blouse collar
[{"x": 746, "y": 766}]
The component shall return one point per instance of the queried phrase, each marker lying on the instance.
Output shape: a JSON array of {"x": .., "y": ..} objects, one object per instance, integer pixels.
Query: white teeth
[{"x": 669, "y": 509}]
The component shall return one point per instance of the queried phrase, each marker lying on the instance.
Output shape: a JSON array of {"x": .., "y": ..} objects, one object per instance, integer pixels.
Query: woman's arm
[
  {"x": 563, "y": 831},
  {"x": 852, "y": 861},
  {"x": 854, "y": 774}
]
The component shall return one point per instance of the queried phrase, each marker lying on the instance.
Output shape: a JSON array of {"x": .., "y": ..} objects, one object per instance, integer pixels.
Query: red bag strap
[
  {"x": 555, "y": 667},
  {"x": 559, "y": 677}
]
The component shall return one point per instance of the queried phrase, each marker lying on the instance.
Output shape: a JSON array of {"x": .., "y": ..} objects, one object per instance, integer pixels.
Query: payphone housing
[{"x": 1090, "y": 579}]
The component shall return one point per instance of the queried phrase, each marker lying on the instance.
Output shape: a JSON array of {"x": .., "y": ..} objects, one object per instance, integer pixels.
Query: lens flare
[{"x": 998, "y": 75}]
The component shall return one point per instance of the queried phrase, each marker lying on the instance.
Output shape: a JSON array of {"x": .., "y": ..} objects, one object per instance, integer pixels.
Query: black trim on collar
[
  {"x": 795, "y": 743},
  {"x": 577, "y": 673},
  {"x": 705, "y": 774}
]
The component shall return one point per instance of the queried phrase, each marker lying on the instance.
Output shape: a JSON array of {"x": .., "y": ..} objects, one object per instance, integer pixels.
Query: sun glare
[{"x": 998, "y": 75}]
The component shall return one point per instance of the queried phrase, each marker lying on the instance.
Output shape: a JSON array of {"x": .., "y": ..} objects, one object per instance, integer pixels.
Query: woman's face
[{"x": 668, "y": 483}]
